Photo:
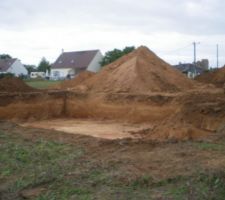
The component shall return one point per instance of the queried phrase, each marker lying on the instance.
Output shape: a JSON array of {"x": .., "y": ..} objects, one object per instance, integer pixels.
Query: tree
[
  {"x": 44, "y": 65},
  {"x": 113, "y": 55},
  {"x": 5, "y": 56},
  {"x": 127, "y": 50},
  {"x": 30, "y": 68}
]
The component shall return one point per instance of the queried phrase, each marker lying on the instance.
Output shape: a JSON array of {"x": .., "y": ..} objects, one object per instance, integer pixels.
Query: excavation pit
[{"x": 95, "y": 128}]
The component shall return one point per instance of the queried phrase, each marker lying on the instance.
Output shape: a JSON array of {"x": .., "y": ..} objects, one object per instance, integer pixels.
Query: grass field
[
  {"x": 41, "y": 84},
  {"x": 49, "y": 165}
]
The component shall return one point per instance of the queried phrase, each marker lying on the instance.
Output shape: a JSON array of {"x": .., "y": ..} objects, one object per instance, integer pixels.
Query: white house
[
  {"x": 69, "y": 64},
  {"x": 12, "y": 65}
]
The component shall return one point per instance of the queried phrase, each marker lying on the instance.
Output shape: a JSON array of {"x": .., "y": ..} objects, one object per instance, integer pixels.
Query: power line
[
  {"x": 178, "y": 49},
  {"x": 207, "y": 48}
]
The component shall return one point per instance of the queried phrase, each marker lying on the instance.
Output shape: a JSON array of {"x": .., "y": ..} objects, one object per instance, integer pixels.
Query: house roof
[
  {"x": 188, "y": 67},
  {"x": 75, "y": 59},
  {"x": 5, "y": 64}
]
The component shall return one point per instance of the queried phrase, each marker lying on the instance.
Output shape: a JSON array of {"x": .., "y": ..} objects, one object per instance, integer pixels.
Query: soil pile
[
  {"x": 78, "y": 80},
  {"x": 198, "y": 114},
  {"x": 216, "y": 77},
  {"x": 140, "y": 71},
  {"x": 14, "y": 85}
]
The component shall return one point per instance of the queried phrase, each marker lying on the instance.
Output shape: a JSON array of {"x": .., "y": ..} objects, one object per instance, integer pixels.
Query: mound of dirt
[
  {"x": 140, "y": 71},
  {"x": 14, "y": 84},
  {"x": 216, "y": 77},
  {"x": 78, "y": 80},
  {"x": 199, "y": 115}
]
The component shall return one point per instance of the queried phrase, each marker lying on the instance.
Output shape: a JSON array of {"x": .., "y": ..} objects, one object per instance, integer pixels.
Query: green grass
[
  {"x": 67, "y": 171},
  {"x": 202, "y": 186},
  {"x": 210, "y": 146},
  {"x": 34, "y": 163},
  {"x": 41, "y": 84}
]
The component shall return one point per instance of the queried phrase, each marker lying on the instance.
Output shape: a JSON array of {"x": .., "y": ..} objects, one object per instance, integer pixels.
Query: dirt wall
[
  {"x": 184, "y": 115},
  {"x": 28, "y": 106},
  {"x": 133, "y": 112},
  {"x": 125, "y": 107},
  {"x": 200, "y": 114}
]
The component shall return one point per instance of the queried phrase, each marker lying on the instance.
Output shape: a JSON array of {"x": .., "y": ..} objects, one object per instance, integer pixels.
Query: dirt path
[{"x": 100, "y": 129}]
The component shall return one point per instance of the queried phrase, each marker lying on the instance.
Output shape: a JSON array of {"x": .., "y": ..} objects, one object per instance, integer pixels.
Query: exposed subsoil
[
  {"x": 13, "y": 84},
  {"x": 216, "y": 77},
  {"x": 182, "y": 116},
  {"x": 100, "y": 129},
  {"x": 78, "y": 80},
  {"x": 139, "y": 88}
]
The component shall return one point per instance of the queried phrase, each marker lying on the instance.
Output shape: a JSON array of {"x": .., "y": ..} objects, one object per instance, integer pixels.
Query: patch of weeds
[
  {"x": 64, "y": 191},
  {"x": 143, "y": 181},
  {"x": 35, "y": 163},
  {"x": 213, "y": 184},
  {"x": 3, "y": 136},
  {"x": 18, "y": 184},
  {"x": 49, "y": 150},
  {"x": 178, "y": 193},
  {"x": 21, "y": 156},
  {"x": 97, "y": 177},
  {"x": 169, "y": 181},
  {"x": 5, "y": 172},
  {"x": 210, "y": 146},
  {"x": 146, "y": 181},
  {"x": 128, "y": 192},
  {"x": 202, "y": 186}
]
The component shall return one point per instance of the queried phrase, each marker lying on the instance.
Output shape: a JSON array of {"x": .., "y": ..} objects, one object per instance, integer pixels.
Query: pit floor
[{"x": 95, "y": 128}]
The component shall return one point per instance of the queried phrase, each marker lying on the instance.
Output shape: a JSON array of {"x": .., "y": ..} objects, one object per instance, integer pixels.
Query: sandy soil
[
  {"x": 140, "y": 71},
  {"x": 100, "y": 129}
]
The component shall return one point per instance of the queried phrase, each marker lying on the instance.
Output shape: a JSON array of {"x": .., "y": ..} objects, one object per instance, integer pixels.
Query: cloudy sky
[{"x": 32, "y": 29}]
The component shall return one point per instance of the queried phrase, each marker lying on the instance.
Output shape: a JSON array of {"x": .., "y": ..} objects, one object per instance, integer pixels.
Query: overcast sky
[{"x": 32, "y": 29}]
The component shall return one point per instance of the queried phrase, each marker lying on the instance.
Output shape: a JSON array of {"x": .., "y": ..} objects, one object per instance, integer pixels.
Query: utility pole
[
  {"x": 217, "y": 56},
  {"x": 195, "y": 43}
]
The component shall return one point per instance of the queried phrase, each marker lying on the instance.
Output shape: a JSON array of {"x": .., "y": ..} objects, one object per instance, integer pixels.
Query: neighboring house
[
  {"x": 190, "y": 70},
  {"x": 204, "y": 64},
  {"x": 70, "y": 64},
  {"x": 37, "y": 75},
  {"x": 12, "y": 65}
]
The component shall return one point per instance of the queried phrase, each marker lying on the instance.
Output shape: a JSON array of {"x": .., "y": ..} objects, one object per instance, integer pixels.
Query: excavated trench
[
  {"x": 108, "y": 117},
  {"x": 156, "y": 116},
  {"x": 66, "y": 104}
]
